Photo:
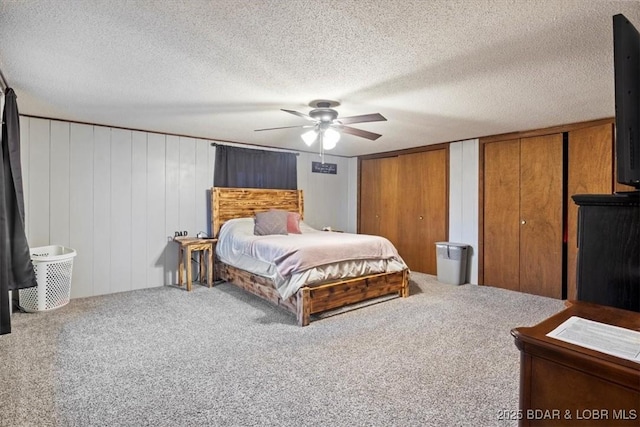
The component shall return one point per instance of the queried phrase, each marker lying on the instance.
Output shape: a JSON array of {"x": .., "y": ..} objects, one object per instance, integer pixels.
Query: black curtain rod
[{"x": 215, "y": 144}]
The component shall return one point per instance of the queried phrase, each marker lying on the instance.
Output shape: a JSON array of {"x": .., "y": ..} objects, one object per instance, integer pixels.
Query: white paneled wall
[
  {"x": 117, "y": 196},
  {"x": 59, "y": 204},
  {"x": 463, "y": 199},
  {"x": 89, "y": 194},
  {"x": 156, "y": 208},
  {"x": 38, "y": 187},
  {"x": 326, "y": 197},
  {"x": 140, "y": 214}
]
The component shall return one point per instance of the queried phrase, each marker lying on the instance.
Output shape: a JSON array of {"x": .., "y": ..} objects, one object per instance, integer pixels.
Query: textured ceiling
[{"x": 439, "y": 71}]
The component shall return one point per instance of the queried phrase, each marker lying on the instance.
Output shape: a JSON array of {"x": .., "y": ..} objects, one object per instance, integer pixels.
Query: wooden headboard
[{"x": 230, "y": 203}]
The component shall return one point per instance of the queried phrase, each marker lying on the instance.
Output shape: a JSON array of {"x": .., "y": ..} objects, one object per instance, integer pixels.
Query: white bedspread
[{"x": 312, "y": 257}]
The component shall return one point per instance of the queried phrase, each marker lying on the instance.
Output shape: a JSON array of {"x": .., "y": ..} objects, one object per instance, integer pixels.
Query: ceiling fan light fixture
[
  {"x": 330, "y": 138},
  {"x": 326, "y": 122},
  {"x": 310, "y": 137}
]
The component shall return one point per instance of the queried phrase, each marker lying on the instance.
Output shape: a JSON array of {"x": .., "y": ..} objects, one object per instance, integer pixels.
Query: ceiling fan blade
[
  {"x": 375, "y": 117},
  {"x": 359, "y": 132},
  {"x": 284, "y": 127},
  {"x": 297, "y": 113}
]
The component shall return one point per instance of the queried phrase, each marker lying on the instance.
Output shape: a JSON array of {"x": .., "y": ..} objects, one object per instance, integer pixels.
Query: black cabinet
[{"x": 608, "y": 268}]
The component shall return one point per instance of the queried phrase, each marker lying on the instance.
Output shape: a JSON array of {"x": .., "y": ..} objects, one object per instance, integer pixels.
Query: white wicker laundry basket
[{"x": 53, "y": 266}]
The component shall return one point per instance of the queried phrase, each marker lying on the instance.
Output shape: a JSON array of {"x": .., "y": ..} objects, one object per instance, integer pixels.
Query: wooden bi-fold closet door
[
  {"x": 523, "y": 214},
  {"x": 423, "y": 212},
  {"x": 502, "y": 214},
  {"x": 378, "y": 197},
  {"x": 541, "y": 207},
  {"x": 404, "y": 198}
]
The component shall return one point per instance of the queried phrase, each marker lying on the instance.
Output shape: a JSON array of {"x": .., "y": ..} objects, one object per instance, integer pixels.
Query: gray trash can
[{"x": 452, "y": 262}]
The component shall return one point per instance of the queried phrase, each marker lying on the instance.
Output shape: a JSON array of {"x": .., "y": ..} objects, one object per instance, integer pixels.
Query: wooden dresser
[{"x": 563, "y": 384}]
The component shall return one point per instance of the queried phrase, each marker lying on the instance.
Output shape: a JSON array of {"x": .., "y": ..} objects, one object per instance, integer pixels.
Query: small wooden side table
[{"x": 205, "y": 249}]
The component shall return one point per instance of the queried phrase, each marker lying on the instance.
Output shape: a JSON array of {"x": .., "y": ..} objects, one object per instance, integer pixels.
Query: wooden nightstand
[{"x": 205, "y": 249}]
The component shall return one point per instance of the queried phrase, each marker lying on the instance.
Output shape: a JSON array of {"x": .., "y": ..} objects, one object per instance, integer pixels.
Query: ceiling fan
[{"x": 327, "y": 126}]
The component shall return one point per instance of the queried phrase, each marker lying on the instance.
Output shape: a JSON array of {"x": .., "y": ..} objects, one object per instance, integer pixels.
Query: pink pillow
[{"x": 293, "y": 223}]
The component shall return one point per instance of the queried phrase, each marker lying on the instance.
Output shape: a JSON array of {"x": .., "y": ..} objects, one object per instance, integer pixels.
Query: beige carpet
[{"x": 217, "y": 357}]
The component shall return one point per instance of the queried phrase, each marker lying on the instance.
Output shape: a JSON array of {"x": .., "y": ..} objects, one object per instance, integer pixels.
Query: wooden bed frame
[{"x": 229, "y": 203}]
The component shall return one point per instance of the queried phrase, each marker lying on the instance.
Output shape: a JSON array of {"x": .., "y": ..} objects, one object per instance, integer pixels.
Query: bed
[{"x": 236, "y": 205}]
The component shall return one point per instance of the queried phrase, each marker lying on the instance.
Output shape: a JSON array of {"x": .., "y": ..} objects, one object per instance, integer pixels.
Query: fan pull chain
[{"x": 321, "y": 140}]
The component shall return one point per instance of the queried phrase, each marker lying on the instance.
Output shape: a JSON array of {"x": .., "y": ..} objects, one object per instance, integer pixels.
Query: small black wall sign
[{"x": 318, "y": 167}]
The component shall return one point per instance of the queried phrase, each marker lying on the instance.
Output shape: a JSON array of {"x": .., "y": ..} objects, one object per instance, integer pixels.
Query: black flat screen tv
[{"x": 626, "y": 63}]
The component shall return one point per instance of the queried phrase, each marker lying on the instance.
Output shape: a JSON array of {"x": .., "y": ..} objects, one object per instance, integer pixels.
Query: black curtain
[
  {"x": 247, "y": 168},
  {"x": 16, "y": 269}
]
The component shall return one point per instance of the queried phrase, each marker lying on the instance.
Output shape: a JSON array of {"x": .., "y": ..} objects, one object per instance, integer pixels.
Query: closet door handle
[
  {"x": 523, "y": 222},
  {"x": 420, "y": 217}
]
